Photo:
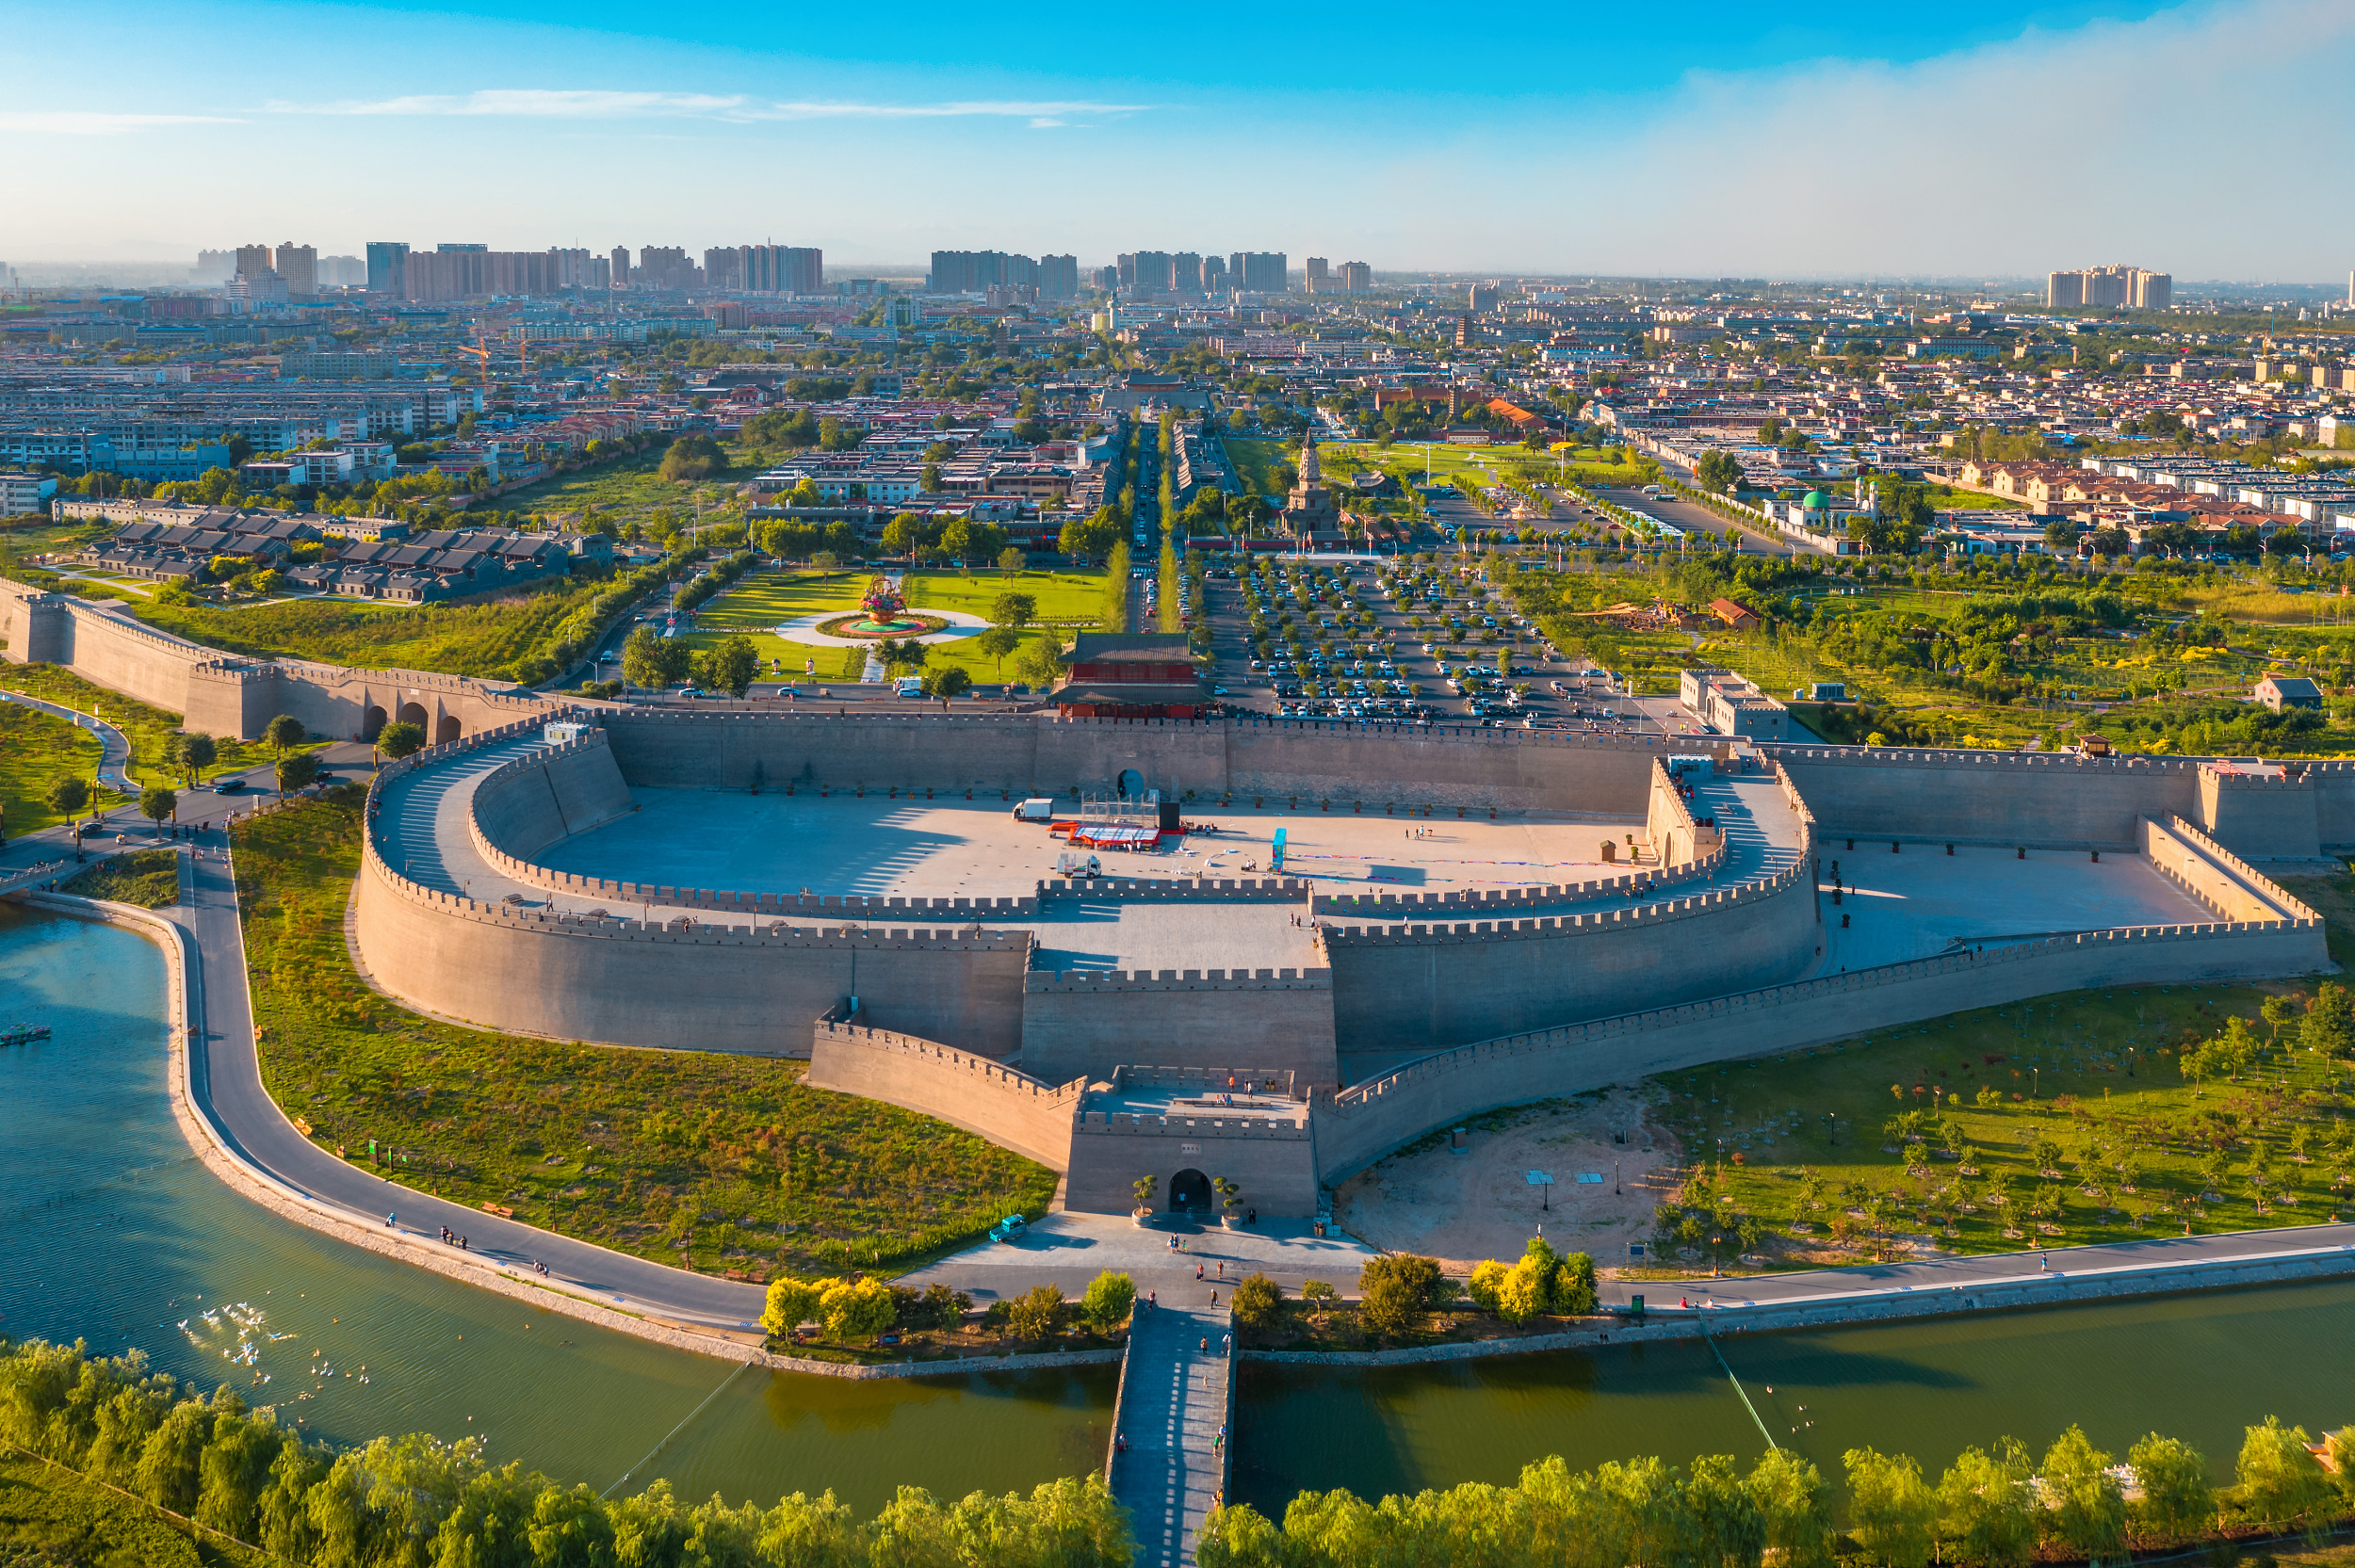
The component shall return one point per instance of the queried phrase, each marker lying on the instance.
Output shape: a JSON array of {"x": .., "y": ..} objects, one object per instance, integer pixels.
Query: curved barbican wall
[
  {"x": 1438, "y": 984},
  {"x": 752, "y": 988}
]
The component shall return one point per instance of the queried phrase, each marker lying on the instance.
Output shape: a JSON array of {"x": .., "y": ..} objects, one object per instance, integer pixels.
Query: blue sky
[{"x": 1837, "y": 139}]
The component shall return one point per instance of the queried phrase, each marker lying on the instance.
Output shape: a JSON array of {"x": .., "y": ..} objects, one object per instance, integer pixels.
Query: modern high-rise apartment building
[
  {"x": 434, "y": 277},
  {"x": 388, "y": 267},
  {"x": 778, "y": 269},
  {"x": 1185, "y": 273},
  {"x": 618, "y": 265},
  {"x": 252, "y": 261},
  {"x": 583, "y": 269},
  {"x": 1155, "y": 271},
  {"x": 300, "y": 265},
  {"x": 1357, "y": 277},
  {"x": 1259, "y": 271},
  {"x": 665, "y": 266},
  {"x": 1318, "y": 279},
  {"x": 1059, "y": 277},
  {"x": 1214, "y": 279},
  {"x": 2108, "y": 287}
]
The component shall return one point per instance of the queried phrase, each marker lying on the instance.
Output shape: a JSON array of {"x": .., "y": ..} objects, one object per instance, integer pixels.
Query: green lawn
[
  {"x": 36, "y": 750},
  {"x": 1255, "y": 461},
  {"x": 1804, "y": 1142},
  {"x": 1066, "y": 601},
  {"x": 627, "y": 1148}
]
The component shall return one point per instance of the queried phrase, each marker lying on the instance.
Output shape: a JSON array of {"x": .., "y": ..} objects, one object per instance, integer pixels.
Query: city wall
[
  {"x": 2222, "y": 883},
  {"x": 2064, "y": 801},
  {"x": 746, "y": 988},
  {"x": 1362, "y": 1124},
  {"x": 1011, "y": 1108},
  {"x": 1434, "y": 985},
  {"x": 1089, "y": 1023},
  {"x": 1271, "y": 1160}
]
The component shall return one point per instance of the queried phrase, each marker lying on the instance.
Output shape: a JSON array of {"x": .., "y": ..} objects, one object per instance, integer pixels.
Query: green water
[
  {"x": 2200, "y": 1367},
  {"x": 116, "y": 1235}
]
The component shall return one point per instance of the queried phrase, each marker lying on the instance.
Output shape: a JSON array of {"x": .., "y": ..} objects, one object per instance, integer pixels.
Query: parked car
[{"x": 1011, "y": 1228}]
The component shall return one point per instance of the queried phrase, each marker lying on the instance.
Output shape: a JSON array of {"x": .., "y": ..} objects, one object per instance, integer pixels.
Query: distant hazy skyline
[{"x": 2001, "y": 140}]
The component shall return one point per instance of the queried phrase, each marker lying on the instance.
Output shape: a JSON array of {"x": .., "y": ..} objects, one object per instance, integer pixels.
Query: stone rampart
[
  {"x": 1366, "y": 1122},
  {"x": 1440, "y": 983},
  {"x": 1087, "y": 1022},
  {"x": 1668, "y": 827},
  {"x": 745, "y": 988},
  {"x": 2005, "y": 799},
  {"x": 2222, "y": 883},
  {"x": 1231, "y": 890},
  {"x": 1009, "y": 1107},
  {"x": 2263, "y": 815}
]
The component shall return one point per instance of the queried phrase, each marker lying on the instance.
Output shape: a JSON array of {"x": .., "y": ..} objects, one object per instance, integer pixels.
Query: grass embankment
[
  {"x": 2058, "y": 1122},
  {"x": 727, "y": 1163},
  {"x": 51, "y": 1517},
  {"x": 631, "y": 489},
  {"x": 1067, "y": 601},
  {"x": 1256, "y": 462},
  {"x": 148, "y": 878},
  {"x": 502, "y": 640},
  {"x": 36, "y": 749}
]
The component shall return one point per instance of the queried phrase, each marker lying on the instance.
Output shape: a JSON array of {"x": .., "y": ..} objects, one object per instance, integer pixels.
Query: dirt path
[{"x": 1461, "y": 1206}]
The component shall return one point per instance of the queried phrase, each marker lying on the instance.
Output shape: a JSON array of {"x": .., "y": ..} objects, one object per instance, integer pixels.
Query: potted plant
[
  {"x": 1230, "y": 1196},
  {"x": 1142, "y": 1215}
]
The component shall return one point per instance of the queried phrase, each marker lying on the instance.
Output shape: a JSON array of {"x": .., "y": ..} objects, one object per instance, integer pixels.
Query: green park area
[
  {"x": 2087, "y": 1117},
  {"x": 148, "y": 878},
  {"x": 1066, "y": 601},
  {"x": 629, "y": 489},
  {"x": 1257, "y": 462},
  {"x": 36, "y": 750},
  {"x": 632, "y": 1149}
]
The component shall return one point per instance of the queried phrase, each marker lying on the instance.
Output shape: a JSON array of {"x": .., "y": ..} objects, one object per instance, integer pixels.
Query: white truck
[{"x": 1039, "y": 808}]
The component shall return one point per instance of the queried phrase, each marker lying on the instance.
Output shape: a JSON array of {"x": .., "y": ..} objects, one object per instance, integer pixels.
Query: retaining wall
[
  {"x": 1364, "y": 1123},
  {"x": 2222, "y": 883},
  {"x": 986, "y": 1098}
]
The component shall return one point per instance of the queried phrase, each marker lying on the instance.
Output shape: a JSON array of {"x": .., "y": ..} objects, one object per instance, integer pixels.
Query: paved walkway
[
  {"x": 1174, "y": 1404},
  {"x": 114, "y": 750},
  {"x": 1069, "y": 1250}
]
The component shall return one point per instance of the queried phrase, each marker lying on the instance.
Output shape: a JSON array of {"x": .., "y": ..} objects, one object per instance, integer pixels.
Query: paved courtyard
[
  {"x": 959, "y": 848},
  {"x": 1922, "y": 902}
]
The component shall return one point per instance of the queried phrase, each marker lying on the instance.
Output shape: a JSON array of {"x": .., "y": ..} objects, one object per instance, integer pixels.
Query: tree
[
  {"x": 1011, "y": 559},
  {"x": 296, "y": 770},
  {"x": 2086, "y": 1508},
  {"x": 693, "y": 455},
  {"x": 1041, "y": 663},
  {"x": 1395, "y": 1291},
  {"x": 1257, "y": 1302},
  {"x": 2177, "y": 1500},
  {"x": 1108, "y": 1301},
  {"x": 157, "y": 803},
  {"x": 902, "y": 534},
  {"x": 896, "y": 654},
  {"x": 2280, "y": 1483},
  {"x": 1892, "y": 1510},
  {"x": 67, "y": 795},
  {"x": 1014, "y": 610},
  {"x": 858, "y": 1311},
  {"x": 2329, "y": 1028},
  {"x": 1035, "y": 1313},
  {"x": 400, "y": 739},
  {"x": 1487, "y": 1286},
  {"x": 791, "y": 1302},
  {"x": 191, "y": 754},
  {"x": 283, "y": 732},
  {"x": 996, "y": 643},
  {"x": 648, "y": 660},
  {"x": 1793, "y": 1503},
  {"x": 1717, "y": 471},
  {"x": 947, "y": 681},
  {"x": 2060, "y": 536},
  {"x": 730, "y": 668}
]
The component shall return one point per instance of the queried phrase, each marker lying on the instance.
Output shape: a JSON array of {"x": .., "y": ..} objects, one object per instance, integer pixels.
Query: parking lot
[{"x": 1389, "y": 639}]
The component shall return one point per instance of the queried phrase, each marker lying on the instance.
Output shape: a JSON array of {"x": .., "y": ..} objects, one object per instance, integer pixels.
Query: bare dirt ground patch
[{"x": 1463, "y": 1207}]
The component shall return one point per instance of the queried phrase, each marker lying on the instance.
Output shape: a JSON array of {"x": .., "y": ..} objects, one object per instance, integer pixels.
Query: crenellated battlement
[{"x": 1094, "y": 982}]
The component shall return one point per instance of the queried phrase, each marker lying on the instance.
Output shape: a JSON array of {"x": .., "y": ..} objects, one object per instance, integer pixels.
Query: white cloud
[
  {"x": 2194, "y": 141},
  {"x": 91, "y": 123},
  {"x": 592, "y": 103}
]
